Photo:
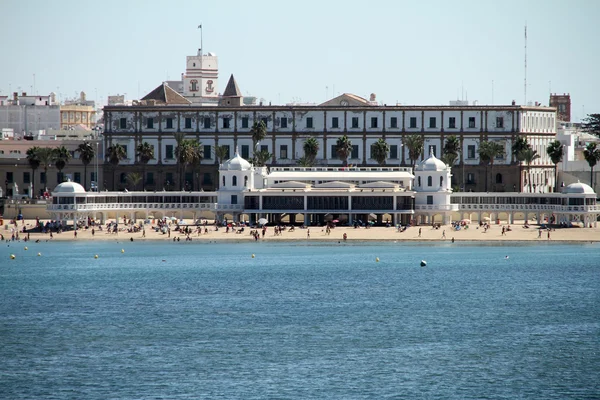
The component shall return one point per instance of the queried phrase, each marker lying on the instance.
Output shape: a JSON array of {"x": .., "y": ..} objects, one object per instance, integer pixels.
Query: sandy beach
[{"x": 416, "y": 233}]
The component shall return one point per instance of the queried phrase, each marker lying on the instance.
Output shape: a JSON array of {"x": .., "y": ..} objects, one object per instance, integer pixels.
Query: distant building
[
  {"x": 562, "y": 103},
  {"x": 26, "y": 114},
  {"x": 78, "y": 112}
]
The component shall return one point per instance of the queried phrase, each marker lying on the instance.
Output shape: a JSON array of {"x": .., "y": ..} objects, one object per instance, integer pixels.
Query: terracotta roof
[
  {"x": 347, "y": 99},
  {"x": 163, "y": 94},
  {"x": 232, "y": 89}
]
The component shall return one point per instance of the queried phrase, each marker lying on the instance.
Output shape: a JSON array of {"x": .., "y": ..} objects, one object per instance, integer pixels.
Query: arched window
[
  {"x": 245, "y": 181},
  {"x": 194, "y": 84},
  {"x": 419, "y": 180},
  {"x": 123, "y": 177},
  {"x": 441, "y": 181},
  {"x": 234, "y": 181},
  {"x": 429, "y": 181},
  {"x": 498, "y": 178},
  {"x": 223, "y": 181}
]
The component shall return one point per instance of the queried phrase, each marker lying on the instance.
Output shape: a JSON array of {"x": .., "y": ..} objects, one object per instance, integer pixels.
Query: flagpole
[{"x": 201, "y": 48}]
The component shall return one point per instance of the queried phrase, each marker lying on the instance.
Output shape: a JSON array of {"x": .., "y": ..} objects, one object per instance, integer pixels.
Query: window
[
  {"x": 413, "y": 122},
  {"x": 283, "y": 151},
  {"x": 284, "y": 122},
  {"x": 228, "y": 152},
  {"x": 234, "y": 199},
  {"x": 393, "y": 151},
  {"x": 234, "y": 181},
  {"x": 77, "y": 177},
  {"x": 245, "y": 151},
  {"x": 244, "y": 122},
  {"x": 188, "y": 123},
  {"x": 93, "y": 177},
  {"x": 354, "y": 151},
  {"x": 124, "y": 146},
  {"x": 149, "y": 178},
  {"x": 265, "y": 121},
  {"x": 471, "y": 151},
  {"x": 169, "y": 123},
  {"x": 169, "y": 152},
  {"x": 226, "y": 123},
  {"x": 194, "y": 84},
  {"x": 207, "y": 150},
  {"x": 264, "y": 147},
  {"x": 471, "y": 122},
  {"x": 419, "y": 181},
  {"x": 354, "y": 122},
  {"x": 394, "y": 122},
  {"x": 123, "y": 123},
  {"x": 500, "y": 156},
  {"x": 224, "y": 182},
  {"x": 499, "y": 122},
  {"x": 245, "y": 181},
  {"x": 207, "y": 179},
  {"x": 123, "y": 177},
  {"x": 43, "y": 177},
  {"x": 498, "y": 178},
  {"x": 441, "y": 181},
  {"x": 432, "y": 122},
  {"x": 452, "y": 122},
  {"x": 429, "y": 181},
  {"x": 433, "y": 149},
  {"x": 334, "y": 155},
  {"x": 26, "y": 177},
  {"x": 150, "y": 123},
  {"x": 429, "y": 199},
  {"x": 206, "y": 122},
  {"x": 309, "y": 122},
  {"x": 470, "y": 178},
  {"x": 373, "y": 122},
  {"x": 335, "y": 122}
]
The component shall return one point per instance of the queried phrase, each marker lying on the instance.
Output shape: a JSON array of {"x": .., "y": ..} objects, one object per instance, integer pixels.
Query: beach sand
[{"x": 473, "y": 233}]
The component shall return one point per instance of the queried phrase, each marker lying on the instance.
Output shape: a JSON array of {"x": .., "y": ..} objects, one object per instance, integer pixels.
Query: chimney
[
  {"x": 15, "y": 96},
  {"x": 514, "y": 103}
]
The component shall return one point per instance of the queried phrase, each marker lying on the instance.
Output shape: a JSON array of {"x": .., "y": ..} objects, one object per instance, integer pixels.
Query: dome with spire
[
  {"x": 237, "y": 163},
  {"x": 578, "y": 188},
  {"x": 432, "y": 163}
]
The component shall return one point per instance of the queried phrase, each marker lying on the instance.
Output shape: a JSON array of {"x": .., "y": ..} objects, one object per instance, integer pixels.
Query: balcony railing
[{"x": 132, "y": 206}]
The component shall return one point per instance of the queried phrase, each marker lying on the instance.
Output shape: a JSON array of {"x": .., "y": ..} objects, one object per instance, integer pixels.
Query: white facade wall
[
  {"x": 374, "y": 121},
  {"x": 427, "y": 121},
  {"x": 359, "y": 115},
  {"x": 388, "y": 123},
  {"x": 303, "y": 120},
  {"x": 456, "y": 116},
  {"x": 281, "y": 116},
  {"x": 340, "y": 119},
  {"x": 418, "y": 118}
]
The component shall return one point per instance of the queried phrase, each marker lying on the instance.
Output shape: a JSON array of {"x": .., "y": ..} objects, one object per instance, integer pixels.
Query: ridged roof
[{"x": 163, "y": 94}]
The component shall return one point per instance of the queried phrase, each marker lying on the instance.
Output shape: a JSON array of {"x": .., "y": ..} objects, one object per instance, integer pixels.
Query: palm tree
[
  {"x": 519, "y": 145},
  {"x": 311, "y": 149},
  {"x": 451, "y": 150},
  {"x": 181, "y": 155},
  {"x": 343, "y": 148},
  {"x": 197, "y": 156},
  {"x": 261, "y": 158},
  {"x": 145, "y": 152},
  {"x": 488, "y": 151},
  {"x": 185, "y": 154},
  {"x": 115, "y": 153},
  {"x": 134, "y": 179},
  {"x": 34, "y": 163},
  {"x": 44, "y": 154},
  {"x": 221, "y": 152},
  {"x": 86, "y": 155},
  {"x": 529, "y": 156},
  {"x": 258, "y": 132},
  {"x": 415, "y": 144},
  {"x": 61, "y": 157},
  {"x": 380, "y": 151},
  {"x": 304, "y": 161},
  {"x": 555, "y": 152},
  {"x": 592, "y": 156}
]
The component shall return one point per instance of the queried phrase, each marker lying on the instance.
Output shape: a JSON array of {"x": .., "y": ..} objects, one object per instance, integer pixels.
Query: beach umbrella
[
  {"x": 335, "y": 221},
  {"x": 466, "y": 221},
  {"x": 487, "y": 219},
  {"x": 263, "y": 221},
  {"x": 371, "y": 222}
]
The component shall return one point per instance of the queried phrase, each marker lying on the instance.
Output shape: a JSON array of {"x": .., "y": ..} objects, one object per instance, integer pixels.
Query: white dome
[
  {"x": 432, "y": 164},
  {"x": 69, "y": 187},
  {"x": 237, "y": 163},
  {"x": 578, "y": 188}
]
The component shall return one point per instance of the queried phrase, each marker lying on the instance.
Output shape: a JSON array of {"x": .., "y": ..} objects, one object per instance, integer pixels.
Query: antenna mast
[{"x": 525, "y": 83}]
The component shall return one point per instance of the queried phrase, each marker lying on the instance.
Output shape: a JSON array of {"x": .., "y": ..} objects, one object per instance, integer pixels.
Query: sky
[{"x": 424, "y": 52}]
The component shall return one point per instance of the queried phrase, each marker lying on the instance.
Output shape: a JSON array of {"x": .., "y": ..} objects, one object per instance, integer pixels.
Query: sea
[{"x": 299, "y": 320}]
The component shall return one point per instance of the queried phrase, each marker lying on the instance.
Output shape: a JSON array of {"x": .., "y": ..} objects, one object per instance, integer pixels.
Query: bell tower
[{"x": 200, "y": 81}]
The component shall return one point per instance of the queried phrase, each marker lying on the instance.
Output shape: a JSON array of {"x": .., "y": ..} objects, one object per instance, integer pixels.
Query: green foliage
[
  {"x": 343, "y": 149},
  {"x": 451, "y": 150},
  {"x": 519, "y": 145},
  {"x": 258, "y": 132},
  {"x": 134, "y": 179},
  {"x": 591, "y": 124},
  {"x": 221, "y": 153},
  {"x": 60, "y": 156},
  {"x": 415, "y": 144},
  {"x": 592, "y": 156},
  {"x": 380, "y": 151},
  {"x": 261, "y": 158},
  {"x": 529, "y": 156},
  {"x": 555, "y": 152},
  {"x": 311, "y": 149},
  {"x": 488, "y": 151}
]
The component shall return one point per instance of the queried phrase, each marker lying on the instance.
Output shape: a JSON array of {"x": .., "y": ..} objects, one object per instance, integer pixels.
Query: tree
[
  {"x": 555, "y": 152},
  {"x": 591, "y": 153},
  {"x": 86, "y": 155},
  {"x": 186, "y": 151},
  {"x": 196, "y": 160},
  {"x": 591, "y": 124},
  {"x": 380, "y": 151},
  {"x": 488, "y": 151},
  {"x": 343, "y": 148},
  {"x": 529, "y": 156},
  {"x": 451, "y": 150},
  {"x": 115, "y": 153},
  {"x": 258, "y": 132},
  {"x": 181, "y": 155},
  {"x": 45, "y": 156},
  {"x": 415, "y": 144},
  {"x": 145, "y": 152},
  {"x": 518, "y": 146},
  {"x": 34, "y": 162},
  {"x": 261, "y": 158},
  {"x": 304, "y": 162},
  {"x": 311, "y": 149},
  {"x": 221, "y": 152},
  {"x": 134, "y": 179},
  {"x": 60, "y": 156}
]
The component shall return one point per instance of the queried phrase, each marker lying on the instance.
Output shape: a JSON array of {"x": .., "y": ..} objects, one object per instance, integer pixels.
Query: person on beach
[
  {"x": 419, "y": 232},
  {"x": 345, "y": 236},
  {"x": 308, "y": 233},
  {"x": 443, "y": 234}
]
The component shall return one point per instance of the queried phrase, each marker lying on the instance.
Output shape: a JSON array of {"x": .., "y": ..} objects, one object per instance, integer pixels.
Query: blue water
[{"x": 299, "y": 321}]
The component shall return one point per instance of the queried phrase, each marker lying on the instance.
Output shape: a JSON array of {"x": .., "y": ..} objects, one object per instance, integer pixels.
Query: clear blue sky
[{"x": 411, "y": 52}]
